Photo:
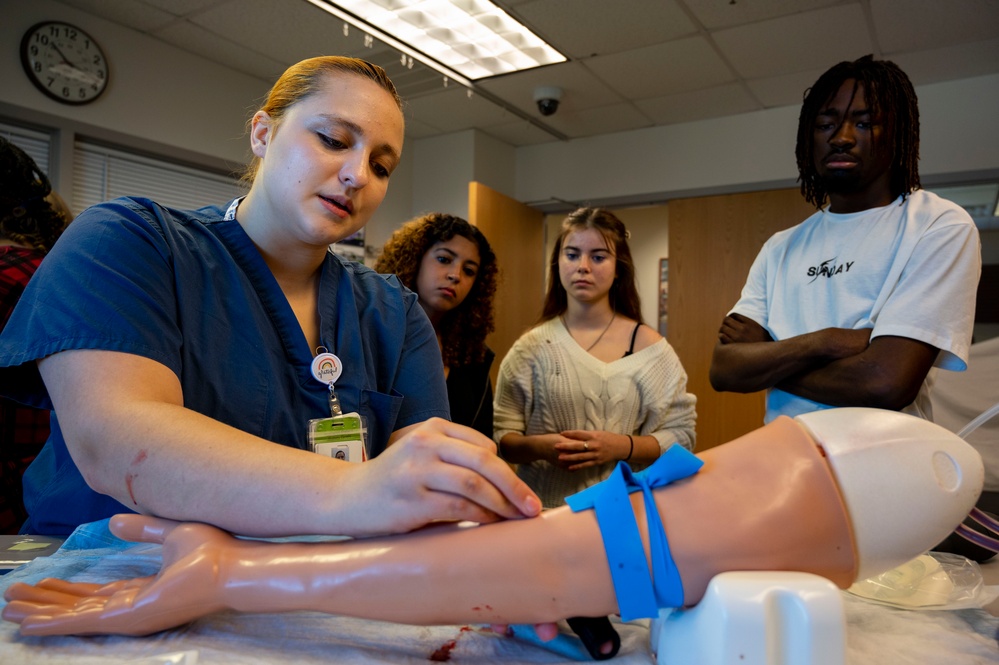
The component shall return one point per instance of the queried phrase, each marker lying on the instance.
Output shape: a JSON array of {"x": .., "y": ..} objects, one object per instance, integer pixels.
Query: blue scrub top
[{"x": 189, "y": 289}]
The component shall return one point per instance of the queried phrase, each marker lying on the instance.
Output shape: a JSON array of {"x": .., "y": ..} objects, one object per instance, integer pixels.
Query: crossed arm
[{"x": 836, "y": 366}]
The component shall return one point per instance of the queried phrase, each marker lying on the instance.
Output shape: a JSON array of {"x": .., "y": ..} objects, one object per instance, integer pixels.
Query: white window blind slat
[
  {"x": 34, "y": 143},
  {"x": 102, "y": 173}
]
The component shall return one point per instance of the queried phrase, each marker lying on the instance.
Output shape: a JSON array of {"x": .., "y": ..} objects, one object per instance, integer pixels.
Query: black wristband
[{"x": 632, "y": 451}]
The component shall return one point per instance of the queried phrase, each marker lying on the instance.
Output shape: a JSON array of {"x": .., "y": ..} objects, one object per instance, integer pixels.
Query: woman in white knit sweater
[{"x": 591, "y": 384}]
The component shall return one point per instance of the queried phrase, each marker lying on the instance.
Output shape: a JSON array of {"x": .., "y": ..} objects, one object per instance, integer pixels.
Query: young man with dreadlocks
[{"x": 855, "y": 305}]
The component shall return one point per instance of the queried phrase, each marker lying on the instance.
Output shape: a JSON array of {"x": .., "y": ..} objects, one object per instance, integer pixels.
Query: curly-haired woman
[{"x": 450, "y": 265}]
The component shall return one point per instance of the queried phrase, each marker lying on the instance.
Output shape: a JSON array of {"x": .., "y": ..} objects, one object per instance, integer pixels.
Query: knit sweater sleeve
[
  {"x": 514, "y": 391},
  {"x": 671, "y": 413}
]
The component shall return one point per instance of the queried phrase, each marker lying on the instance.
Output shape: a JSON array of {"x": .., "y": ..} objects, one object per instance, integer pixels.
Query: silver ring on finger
[{"x": 586, "y": 446}]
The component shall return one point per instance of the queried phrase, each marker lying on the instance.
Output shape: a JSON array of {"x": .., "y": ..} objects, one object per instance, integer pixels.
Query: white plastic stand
[{"x": 756, "y": 618}]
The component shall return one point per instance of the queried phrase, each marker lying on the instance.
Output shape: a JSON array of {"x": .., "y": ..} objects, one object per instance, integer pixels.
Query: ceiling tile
[
  {"x": 453, "y": 109},
  {"x": 663, "y": 69},
  {"x": 729, "y": 99},
  {"x": 817, "y": 39},
  {"x": 602, "y": 120},
  {"x": 519, "y": 133},
  {"x": 715, "y": 14},
  {"x": 950, "y": 62},
  {"x": 125, "y": 12},
  {"x": 188, "y": 37},
  {"x": 907, "y": 25},
  {"x": 183, "y": 7},
  {"x": 580, "y": 88},
  {"x": 784, "y": 90},
  {"x": 611, "y": 27}
]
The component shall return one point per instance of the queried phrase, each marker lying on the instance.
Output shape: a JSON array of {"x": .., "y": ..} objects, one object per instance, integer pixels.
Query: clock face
[{"x": 64, "y": 62}]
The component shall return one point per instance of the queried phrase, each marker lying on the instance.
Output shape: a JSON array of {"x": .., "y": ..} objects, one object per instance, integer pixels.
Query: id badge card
[{"x": 340, "y": 437}]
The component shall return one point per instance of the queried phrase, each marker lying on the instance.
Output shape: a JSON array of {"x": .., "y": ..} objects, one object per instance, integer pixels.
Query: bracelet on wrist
[{"x": 631, "y": 451}]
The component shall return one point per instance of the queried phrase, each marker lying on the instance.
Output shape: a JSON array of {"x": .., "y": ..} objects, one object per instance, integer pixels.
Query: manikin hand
[
  {"x": 186, "y": 588},
  {"x": 190, "y": 585}
]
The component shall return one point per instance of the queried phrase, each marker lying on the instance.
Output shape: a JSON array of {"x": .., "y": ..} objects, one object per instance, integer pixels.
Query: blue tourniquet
[{"x": 639, "y": 593}]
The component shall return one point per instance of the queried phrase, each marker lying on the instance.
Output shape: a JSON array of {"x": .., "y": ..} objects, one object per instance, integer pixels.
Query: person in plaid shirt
[{"x": 32, "y": 217}]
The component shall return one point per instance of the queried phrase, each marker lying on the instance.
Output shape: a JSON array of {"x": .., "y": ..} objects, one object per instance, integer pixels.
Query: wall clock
[{"x": 64, "y": 62}]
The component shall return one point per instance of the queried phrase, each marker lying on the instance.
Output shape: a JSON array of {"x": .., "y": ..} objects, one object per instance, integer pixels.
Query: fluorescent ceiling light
[{"x": 473, "y": 38}]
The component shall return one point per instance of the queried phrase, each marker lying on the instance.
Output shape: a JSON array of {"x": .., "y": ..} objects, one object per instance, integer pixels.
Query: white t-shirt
[{"x": 908, "y": 269}]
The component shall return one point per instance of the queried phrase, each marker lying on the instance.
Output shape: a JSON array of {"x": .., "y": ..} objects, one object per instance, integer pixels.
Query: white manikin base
[{"x": 756, "y": 618}]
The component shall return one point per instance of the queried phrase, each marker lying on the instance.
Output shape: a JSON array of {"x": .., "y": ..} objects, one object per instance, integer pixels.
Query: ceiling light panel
[{"x": 475, "y": 38}]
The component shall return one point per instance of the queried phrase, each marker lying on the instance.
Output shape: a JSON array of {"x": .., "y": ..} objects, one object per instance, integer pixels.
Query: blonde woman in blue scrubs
[{"x": 176, "y": 347}]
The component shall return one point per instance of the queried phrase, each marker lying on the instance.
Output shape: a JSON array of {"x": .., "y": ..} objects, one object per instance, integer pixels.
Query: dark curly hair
[
  {"x": 463, "y": 331},
  {"x": 26, "y": 215},
  {"x": 624, "y": 297},
  {"x": 890, "y": 95}
]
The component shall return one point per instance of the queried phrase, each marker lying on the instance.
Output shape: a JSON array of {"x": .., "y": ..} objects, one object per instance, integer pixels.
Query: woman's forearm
[{"x": 135, "y": 441}]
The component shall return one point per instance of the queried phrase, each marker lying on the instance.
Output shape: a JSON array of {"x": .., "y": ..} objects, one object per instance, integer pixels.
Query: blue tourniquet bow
[{"x": 639, "y": 593}]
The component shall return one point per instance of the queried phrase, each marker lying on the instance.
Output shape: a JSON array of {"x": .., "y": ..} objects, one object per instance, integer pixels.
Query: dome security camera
[{"x": 547, "y": 98}]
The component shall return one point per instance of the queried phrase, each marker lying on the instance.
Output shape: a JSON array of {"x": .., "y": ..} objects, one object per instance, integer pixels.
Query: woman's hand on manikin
[{"x": 437, "y": 471}]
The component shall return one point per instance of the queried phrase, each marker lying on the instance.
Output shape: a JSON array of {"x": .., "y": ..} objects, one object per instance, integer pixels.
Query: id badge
[{"x": 340, "y": 437}]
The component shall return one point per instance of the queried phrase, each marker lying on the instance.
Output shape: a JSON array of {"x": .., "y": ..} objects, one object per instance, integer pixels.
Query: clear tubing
[{"x": 979, "y": 420}]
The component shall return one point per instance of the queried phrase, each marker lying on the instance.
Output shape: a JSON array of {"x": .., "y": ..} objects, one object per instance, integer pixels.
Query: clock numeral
[
  {"x": 65, "y": 92},
  {"x": 37, "y": 67}
]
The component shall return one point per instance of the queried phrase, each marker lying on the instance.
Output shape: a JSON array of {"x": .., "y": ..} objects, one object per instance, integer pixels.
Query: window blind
[
  {"x": 34, "y": 143},
  {"x": 101, "y": 173}
]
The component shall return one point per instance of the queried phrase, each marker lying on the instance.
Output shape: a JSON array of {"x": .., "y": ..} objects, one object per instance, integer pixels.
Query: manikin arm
[{"x": 767, "y": 501}]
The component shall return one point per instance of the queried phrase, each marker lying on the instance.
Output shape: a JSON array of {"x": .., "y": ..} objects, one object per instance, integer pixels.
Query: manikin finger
[
  {"x": 142, "y": 528},
  {"x": 79, "y": 589},
  {"x": 67, "y": 622},
  {"x": 39, "y": 594}
]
